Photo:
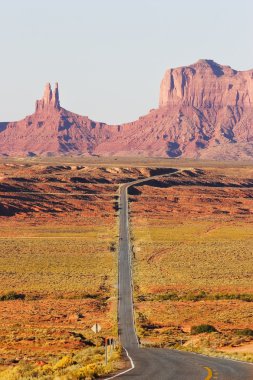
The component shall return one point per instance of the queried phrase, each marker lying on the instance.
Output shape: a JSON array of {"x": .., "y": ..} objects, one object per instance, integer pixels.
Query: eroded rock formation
[
  {"x": 207, "y": 84},
  {"x": 50, "y": 99},
  {"x": 205, "y": 111}
]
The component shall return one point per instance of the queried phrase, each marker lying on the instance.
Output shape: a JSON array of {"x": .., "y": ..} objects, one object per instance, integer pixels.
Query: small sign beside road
[{"x": 96, "y": 328}]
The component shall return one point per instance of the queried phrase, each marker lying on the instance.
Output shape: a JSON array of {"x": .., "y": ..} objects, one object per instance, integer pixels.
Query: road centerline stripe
[{"x": 209, "y": 373}]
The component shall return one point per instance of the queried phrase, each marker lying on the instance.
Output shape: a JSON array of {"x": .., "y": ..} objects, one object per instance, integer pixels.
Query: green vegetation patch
[
  {"x": 200, "y": 329},
  {"x": 10, "y": 296}
]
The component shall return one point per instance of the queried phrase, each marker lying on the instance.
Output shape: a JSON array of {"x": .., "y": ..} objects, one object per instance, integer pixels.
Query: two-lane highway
[{"x": 160, "y": 364}]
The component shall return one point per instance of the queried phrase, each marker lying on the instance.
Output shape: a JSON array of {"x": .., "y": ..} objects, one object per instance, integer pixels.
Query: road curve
[{"x": 153, "y": 363}]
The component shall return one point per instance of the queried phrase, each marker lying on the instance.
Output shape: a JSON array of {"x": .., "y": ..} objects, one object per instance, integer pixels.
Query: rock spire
[{"x": 50, "y": 99}]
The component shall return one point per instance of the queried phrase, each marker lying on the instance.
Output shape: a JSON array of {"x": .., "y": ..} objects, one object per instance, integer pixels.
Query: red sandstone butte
[{"x": 205, "y": 111}]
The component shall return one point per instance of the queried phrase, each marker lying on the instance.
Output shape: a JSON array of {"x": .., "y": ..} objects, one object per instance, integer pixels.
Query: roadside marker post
[
  {"x": 106, "y": 358},
  {"x": 110, "y": 345},
  {"x": 109, "y": 341}
]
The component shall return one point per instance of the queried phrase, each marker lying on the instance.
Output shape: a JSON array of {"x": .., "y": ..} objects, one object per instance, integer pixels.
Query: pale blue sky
[{"x": 109, "y": 56}]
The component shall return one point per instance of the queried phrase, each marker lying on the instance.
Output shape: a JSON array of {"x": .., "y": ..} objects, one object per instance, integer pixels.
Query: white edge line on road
[{"x": 127, "y": 370}]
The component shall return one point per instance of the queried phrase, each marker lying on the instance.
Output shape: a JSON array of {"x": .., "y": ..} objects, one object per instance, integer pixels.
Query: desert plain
[{"x": 192, "y": 244}]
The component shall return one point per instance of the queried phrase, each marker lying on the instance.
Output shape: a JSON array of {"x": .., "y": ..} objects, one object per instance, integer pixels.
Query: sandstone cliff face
[
  {"x": 216, "y": 104},
  {"x": 207, "y": 84},
  {"x": 205, "y": 111}
]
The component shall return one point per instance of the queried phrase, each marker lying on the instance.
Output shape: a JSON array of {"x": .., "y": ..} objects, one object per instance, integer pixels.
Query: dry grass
[
  {"x": 84, "y": 364},
  {"x": 192, "y": 245},
  {"x": 192, "y": 256},
  {"x": 58, "y": 252},
  {"x": 60, "y": 260},
  {"x": 58, "y": 249},
  {"x": 68, "y": 279}
]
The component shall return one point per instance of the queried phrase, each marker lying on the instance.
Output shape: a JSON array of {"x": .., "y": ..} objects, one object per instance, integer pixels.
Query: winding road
[{"x": 154, "y": 363}]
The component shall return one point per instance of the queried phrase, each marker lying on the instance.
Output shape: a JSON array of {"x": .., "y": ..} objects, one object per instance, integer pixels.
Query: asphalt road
[{"x": 160, "y": 364}]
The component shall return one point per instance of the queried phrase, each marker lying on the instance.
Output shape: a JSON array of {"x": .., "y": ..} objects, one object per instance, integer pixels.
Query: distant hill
[{"x": 205, "y": 111}]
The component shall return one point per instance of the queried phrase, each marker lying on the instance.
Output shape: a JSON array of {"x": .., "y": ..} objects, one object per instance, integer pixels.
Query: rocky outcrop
[
  {"x": 205, "y": 111},
  {"x": 216, "y": 104},
  {"x": 207, "y": 84},
  {"x": 50, "y": 100},
  {"x": 51, "y": 130}
]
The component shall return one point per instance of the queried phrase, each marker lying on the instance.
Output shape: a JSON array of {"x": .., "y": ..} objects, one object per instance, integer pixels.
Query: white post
[{"x": 106, "y": 359}]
